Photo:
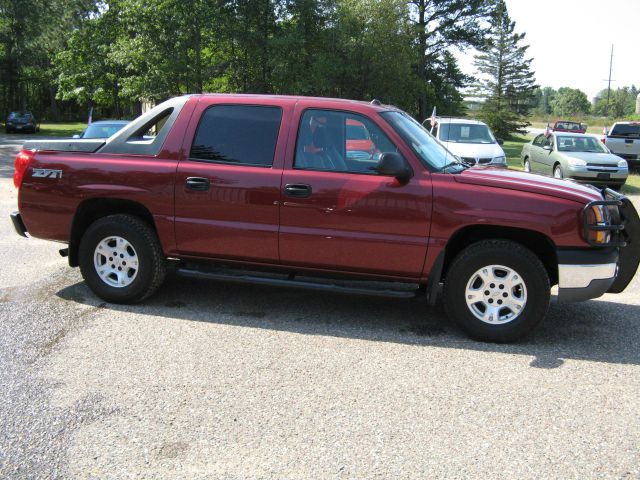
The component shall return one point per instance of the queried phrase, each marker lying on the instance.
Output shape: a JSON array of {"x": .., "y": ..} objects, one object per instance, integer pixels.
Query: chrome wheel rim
[
  {"x": 527, "y": 167},
  {"x": 557, "y": 173},
  {"x": 496, "y": 294},
  {"x": 116, "y": 262}
]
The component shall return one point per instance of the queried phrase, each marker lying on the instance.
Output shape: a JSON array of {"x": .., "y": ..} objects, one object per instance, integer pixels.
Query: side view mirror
[
  {"x": 500, "y": 141},
  {"x": 76, "y": 136},
  {"x": 547, "y": 148},
  {"x": 392, "y": 164}
]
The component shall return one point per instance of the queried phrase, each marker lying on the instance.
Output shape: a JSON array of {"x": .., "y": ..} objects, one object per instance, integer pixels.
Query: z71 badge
[{"x": 46, "y": 173}]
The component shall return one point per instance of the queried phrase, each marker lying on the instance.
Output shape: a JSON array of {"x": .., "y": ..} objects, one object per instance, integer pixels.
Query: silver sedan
[{"x": 581, "y": 157}]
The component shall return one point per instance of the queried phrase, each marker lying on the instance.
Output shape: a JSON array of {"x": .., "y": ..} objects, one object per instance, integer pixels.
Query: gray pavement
[{"x": 215, "y": 380}]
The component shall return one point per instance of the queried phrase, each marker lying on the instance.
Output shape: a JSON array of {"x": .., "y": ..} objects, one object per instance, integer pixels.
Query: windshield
[
  {"x": 465, "y": 133},
  {"x": 425, "y": 146},
  {"x": 101, "y": 130},
  {"x": 580, "y": 144}
]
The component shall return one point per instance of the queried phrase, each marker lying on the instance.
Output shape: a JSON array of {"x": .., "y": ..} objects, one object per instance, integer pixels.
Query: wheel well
[
  {"x": 541, "y": 245},
  {"x": 91, "y": 210}
]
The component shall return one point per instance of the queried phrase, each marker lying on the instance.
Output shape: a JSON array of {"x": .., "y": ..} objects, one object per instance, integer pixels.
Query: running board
[{"x": 281, "y": 282}]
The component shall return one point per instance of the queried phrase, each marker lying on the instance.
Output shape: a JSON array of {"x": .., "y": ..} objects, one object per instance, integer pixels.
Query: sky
[{"x": 570, "y": 42}]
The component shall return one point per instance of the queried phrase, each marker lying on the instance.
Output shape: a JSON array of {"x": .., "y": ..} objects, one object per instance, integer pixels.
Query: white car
[{"x": 471, "y": 140}]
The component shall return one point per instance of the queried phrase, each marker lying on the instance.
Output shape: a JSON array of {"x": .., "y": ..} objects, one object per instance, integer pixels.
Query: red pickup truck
[
  {"x": 262, "y": 189},
  {"x": 568, "y": 126}
]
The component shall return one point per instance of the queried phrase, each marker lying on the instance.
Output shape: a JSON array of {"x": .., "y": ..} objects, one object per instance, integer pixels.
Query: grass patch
[
  {"x": 61, "y": 129},
  {"x": 512, "y": 149},
  {"x": 632, "y": 186}
]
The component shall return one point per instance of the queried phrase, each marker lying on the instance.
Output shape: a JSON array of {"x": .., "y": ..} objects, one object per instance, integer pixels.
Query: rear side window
[
  {"x": 626, "y": 130},
  {"x": 237, "y": 134}
]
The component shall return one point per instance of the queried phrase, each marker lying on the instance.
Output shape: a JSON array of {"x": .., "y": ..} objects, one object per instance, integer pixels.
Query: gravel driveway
[{"x": 215, "y": 380}]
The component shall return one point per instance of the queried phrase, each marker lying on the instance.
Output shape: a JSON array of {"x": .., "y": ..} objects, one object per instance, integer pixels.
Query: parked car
[
  {"x": 102, "y": 129},
  {"x": 574, "y": 155},
  {"x": 260, "y": 189},
  {"x": 624, "y": 141},
  {"x": 21, "y": 122},
  {"x": 471, "y": 140},
  {"x": 359, "y": 143},
  {"x": 569, "y": 126}
]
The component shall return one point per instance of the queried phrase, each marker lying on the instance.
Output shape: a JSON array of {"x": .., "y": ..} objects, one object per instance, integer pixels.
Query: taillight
[
  {"x": 603, "y": 139},
  {"x": 21, "y": 164}
]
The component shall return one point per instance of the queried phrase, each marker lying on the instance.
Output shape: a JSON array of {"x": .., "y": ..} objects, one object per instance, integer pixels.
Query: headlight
[
  {"x": 501, "y": 159},
  {"x": 576, "y": 162},
  {"x": 600, "y": 217},
  {"x": 623, "y": 164}
]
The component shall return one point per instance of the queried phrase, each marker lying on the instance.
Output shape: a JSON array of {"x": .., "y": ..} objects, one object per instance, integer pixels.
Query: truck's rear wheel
[
  {"x": 497, "y": 290},
  {"x": 121, "y": 259}
]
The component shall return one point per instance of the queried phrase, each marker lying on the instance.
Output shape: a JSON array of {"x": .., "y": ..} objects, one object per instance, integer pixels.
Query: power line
[{"x": 606, "y": 110}]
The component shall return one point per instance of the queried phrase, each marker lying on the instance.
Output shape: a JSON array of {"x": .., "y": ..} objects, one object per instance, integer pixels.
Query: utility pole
[{"x": 606, "y": 111}]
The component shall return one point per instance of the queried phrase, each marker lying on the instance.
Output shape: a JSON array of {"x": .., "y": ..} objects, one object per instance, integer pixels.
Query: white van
[{"x": 470, "y": 140}]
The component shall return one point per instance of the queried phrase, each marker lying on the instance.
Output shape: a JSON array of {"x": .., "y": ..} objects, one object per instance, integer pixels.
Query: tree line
[
  {"x": 59, "y": 58},
  {"x": 616, "y": 103}
]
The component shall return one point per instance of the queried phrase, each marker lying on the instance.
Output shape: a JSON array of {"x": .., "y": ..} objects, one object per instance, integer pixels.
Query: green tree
[
  {"x": 570, "y": 102},
  {"x": 440, "y": 25},
  {"x": 87, "y": 73},
  {"x": 304, "y": 48},
  {"x": 132, "y": 50},
  {"x": 622, "y": 102},
  {"x": 126, "y": 51},
  {"x": 542, "y": 100},
  {"x": 374, "y": 51},
  {"x": 507, "y": 84}
]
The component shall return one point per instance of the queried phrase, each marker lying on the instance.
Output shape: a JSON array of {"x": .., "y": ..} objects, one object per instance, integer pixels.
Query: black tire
[
  {"x": 524, "y": 165},
  {"x": 151, "y": 260},
  {"x": 508, "y": 254}
]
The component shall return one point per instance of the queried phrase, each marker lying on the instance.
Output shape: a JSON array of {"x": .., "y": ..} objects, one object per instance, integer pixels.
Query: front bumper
[
  {"x": 586, "y": 273},
  {"x": 18, "y": 224},
  {"x": 590, "y": 272},
  {"x": 598, "y": 175}
]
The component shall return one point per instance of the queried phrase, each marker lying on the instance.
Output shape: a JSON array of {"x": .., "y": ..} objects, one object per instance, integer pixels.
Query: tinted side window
[
  {"x": 339, "y": 142},
  {"x": 242, "y": 134}
]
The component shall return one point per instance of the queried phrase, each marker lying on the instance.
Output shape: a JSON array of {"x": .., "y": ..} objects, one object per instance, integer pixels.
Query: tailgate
[{"x": 624, "y": 145}]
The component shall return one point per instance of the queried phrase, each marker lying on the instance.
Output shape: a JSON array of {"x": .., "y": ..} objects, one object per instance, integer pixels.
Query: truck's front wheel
[
  {"x": 121, "y": 259},
  {"x": 497, "y": 290}
]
